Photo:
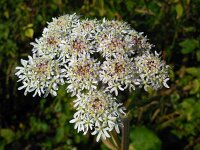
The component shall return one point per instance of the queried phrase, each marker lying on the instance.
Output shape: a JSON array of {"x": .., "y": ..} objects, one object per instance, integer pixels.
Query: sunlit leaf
[
  {"x": 179, "y": 10},
  {"x": 193, "y": 71},
  {"x": 7, "y": 134},
  {"x": 195, "y": 86},
  {"x": 29, "y": 32}
]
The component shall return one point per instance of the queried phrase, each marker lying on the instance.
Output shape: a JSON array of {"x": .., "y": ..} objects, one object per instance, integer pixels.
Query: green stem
[
  {"x": 115, "y": 139},
  {"x": 109, "y": 144},
  {"x": 125, "y": 134}
]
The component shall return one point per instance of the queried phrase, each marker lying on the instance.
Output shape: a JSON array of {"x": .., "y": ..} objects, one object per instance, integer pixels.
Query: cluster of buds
[{"x": 95, "y": 59}]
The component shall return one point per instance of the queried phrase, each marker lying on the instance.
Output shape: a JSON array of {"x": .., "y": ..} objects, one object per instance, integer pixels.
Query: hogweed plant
[{"x": 97, "y": 60}]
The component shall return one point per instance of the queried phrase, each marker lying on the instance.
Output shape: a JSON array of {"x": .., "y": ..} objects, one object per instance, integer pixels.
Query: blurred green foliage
[
  {"x": 167, "y": 119},
  {"x": 144, "y": 139}
]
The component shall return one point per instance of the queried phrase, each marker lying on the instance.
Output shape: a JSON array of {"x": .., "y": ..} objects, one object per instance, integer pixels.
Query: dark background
[{"x": 168, "y": 119}]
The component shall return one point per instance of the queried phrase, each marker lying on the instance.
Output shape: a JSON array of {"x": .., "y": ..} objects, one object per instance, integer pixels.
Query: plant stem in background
[{"x": 125, "y": 134}]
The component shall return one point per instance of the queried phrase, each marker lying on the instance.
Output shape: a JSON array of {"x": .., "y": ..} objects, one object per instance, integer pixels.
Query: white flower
[
  {"x": 114, "y": 26},
  {"x": 95, "y": 59},
  {"x": 136, "y": 42},
  {"x": 110, "y": 45},
  {"x": 64, "y": 24},
  {"x": 40, "y": 74},
  {"x": 153, "y": 72},
  {"x": 99, "y": 112},
  {"x": 111, "y": 38},
  {"x": 48, "y": 44},
  {"x": 82, "y": 74},
  {"x": 58, "y": 30},
  {"x": 87, "y": 28},
  {"x": 102, "y": 132},
  {"x": 118, "y": 74},
  {"x": 74, "y": 46}
]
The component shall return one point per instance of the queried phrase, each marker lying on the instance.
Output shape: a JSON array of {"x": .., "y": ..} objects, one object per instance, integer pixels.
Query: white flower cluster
[
  {"x": 96, "y": 59},
  {"x": 99, "y": 112}
]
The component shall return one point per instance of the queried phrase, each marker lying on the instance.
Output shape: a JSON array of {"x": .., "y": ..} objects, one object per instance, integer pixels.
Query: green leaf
[
  {"x": 7, "y": 134},
  {"x": 2, "y": 145},
  {"x": 179, "y": 11},
  {"x": 58, "y": 107},
  {"x": 29, "y": 32},
  {"x": 130, "y": 5},
  {"x": 187, "y": 108},
  {"x": 38, "y": 126},
  {"x": 188, "y": 2},
  {"x": 29, "y": 25},
  {"x": 188, "y": 45},
  {"x": 6, "y": 14},
  {"x": 60, "y": 132},
  {"x": 175, "y": 96},
  {"x": 197, "y": 147},
  {"x": 144, "y": 139},
  {"x": 193, "y": 71},
  {"x": 189, "y": 29},
  {"x": 195, "y": 86}
]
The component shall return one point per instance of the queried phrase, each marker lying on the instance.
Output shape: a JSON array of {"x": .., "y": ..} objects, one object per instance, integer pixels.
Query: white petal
[
  {"x": 21, "y": 87},
  {"x": 98, "y": 136},
  {"x": 94, "y": 132},
  {"x": 35, "y": 93},
  {"x": 106, "y": 133},
  {"x": 146, "y": 87},
  {"x": 117, "y": 129},
  {"x": 24, "y": 62},
  {"x": 120, "y": 88},
  {"x": 165, "y": 83},
  {"x": 115, "y": 90}
]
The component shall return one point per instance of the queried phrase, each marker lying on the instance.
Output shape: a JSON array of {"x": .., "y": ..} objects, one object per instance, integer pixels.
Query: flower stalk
[{"x": 125, "y": 134}]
